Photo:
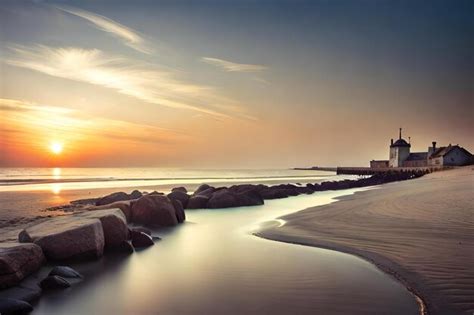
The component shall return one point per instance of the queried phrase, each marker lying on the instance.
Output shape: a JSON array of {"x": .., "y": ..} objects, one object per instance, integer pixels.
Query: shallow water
[{"x": 213, "y": 265}]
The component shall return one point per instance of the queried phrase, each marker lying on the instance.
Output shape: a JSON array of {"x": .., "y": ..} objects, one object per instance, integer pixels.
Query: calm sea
[{"x": 26, "y": 192}]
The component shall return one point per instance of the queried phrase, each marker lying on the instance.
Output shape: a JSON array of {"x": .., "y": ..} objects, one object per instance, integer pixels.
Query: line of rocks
[{"x": 78, "y": 236}]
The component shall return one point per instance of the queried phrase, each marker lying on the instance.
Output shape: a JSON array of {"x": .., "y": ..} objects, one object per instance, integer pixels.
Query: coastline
[{"x": 394, "y": 228}]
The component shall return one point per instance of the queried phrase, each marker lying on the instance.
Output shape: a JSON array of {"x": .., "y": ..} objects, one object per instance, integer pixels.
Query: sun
[{"x": 56, "y": 147}]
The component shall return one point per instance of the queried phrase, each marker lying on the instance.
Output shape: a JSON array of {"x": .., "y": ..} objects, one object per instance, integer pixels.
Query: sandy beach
[{"x": 420, "y": 231}]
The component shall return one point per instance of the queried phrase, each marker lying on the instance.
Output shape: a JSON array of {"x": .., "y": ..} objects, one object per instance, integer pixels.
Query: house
[
  {"x": 400, "y": 156},
  {"x": 451, "y": 155}
]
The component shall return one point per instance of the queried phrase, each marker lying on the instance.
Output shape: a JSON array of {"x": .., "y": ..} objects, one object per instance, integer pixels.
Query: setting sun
[{"x": 56, "y": 147}]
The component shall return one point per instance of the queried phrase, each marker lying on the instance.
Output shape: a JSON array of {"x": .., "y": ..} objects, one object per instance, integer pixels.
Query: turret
[{"x": 399, "y": 151}]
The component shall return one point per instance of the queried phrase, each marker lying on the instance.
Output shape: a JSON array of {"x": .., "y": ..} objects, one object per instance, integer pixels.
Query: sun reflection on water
[
  {"x": 56, "y": 188},
  {"x": 56, "y": 173}
]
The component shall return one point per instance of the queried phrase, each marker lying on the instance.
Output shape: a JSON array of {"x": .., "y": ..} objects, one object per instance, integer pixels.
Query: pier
[{"x": 341, "y": 170}]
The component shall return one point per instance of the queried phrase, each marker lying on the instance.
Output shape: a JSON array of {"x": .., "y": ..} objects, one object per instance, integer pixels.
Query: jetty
[{"x": 344, "y": 170}]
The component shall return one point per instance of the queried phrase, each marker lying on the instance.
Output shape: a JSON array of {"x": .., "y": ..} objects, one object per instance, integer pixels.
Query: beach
[{"x": 420, "y": 231}]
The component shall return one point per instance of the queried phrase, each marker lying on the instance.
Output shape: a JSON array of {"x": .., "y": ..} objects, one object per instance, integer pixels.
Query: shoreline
[
  {"x": 345, "y": 226},
  {"x": 391, "y": 272},
  {"x": 423, "y": 305}
]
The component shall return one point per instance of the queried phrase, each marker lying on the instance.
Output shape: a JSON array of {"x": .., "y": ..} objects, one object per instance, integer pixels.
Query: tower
[{"x": 399, "y": 151}]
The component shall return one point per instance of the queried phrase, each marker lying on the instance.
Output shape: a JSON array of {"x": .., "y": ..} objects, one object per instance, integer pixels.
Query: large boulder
[
  {"x": 154, "y": 210},
  {"x": 114, "y": 225},
  {"x": 179, "y": 209},
  {"x": 14, "y": 306},
  {"x": 197, "y": 202},
  {"x": 226, "y": 198},
  {"x": 250, "y": 198},
  {"x": 117, "y": 196},
  {"x": 222, "y": 199},
  {"x": 125, "y": 206},
  {"x": 67, "y": 237},
  {"x": 179, "y": 195},
  {"x": 17, "y": 261}
]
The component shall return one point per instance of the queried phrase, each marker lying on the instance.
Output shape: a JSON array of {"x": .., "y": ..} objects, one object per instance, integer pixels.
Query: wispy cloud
[
  {"x": 143, "y": 81},
  {"x": 129, "y": 36},
  {"x": 233, "y": 66},
  {"x": 69, "y": 125}
]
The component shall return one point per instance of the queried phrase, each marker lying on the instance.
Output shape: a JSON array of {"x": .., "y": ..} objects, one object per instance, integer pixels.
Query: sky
[{"x": 231, "y": 84}]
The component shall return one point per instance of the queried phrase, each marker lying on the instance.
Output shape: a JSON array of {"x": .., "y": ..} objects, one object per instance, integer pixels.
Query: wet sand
[{"x": 421, "y": 231}]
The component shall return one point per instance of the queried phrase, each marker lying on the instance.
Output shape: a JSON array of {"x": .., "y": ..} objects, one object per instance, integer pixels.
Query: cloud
[
  {"x": 129, "y": 36},
  {"x": 230, "y": 66},
  {"x": 69, "y": 125},
  {"x": 143, "y": 81}
]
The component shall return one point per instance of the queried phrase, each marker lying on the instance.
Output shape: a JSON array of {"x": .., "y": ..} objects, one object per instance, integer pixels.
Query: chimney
[
  {"x": 391, "y": 141},
  {"x": 400, "y": 134},
  {"x": 434, "y": 145}
]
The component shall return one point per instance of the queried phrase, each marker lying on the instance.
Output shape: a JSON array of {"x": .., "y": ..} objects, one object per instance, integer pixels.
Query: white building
[{"x": 400, "y": 156}]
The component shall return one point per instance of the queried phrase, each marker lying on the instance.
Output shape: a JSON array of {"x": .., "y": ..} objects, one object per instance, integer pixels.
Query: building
[
  {"x": 399, "y": 151},
  {"x": 452, "y": 155},
  {"x": 400, "y": 155}
]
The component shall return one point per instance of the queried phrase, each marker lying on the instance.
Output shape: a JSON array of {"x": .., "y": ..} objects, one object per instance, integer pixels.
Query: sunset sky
[{"x": 231, "y": 84}]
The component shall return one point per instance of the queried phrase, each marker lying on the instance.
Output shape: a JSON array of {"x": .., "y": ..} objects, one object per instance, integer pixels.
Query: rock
[
  {"x": 197, "y": 202},
  {"x": 117, "y": 196},
  {"x": 140, "y": 229},
  {"x": 201, "y": 188},
  {"x": 125, "y": 247},
  {"x": 54, "y": 282},
  {"x": 181, "y": 189},
  {"x": 222, "y": 199},
  {"x": 226, "y": 198},
  {"x": 273, "y": 193},
  {"x": 125, "y": 206},
  {"x": 140, "y": 240},
  {"x": 27, "y": 291},
  {"x": 67, "y": 237},
  {"x": 181, "y": 196},
  {"x": 154, "y": 210},
  {"x": 251, "y": 198},
  {"x": 207, "y": 192},
  {"x": 17, "y": 261},
  {"x": 135, "y": 194},
  {"x": 13, "y": 306},
  {"x": 65, "y": 272},
  {"x": 114, "y": 225},
  {"x": 179, "y": 209}
]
